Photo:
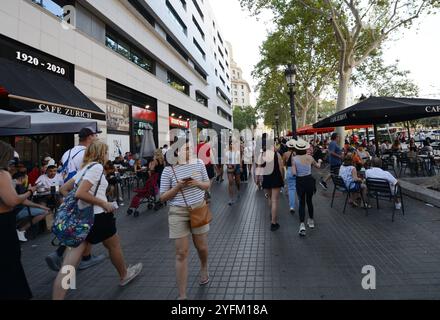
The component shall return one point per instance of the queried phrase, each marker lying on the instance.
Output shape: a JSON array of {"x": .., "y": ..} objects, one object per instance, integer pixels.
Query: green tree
[
  {"x": 360, "y": 27},
  {"x": 244, "y": 117}
]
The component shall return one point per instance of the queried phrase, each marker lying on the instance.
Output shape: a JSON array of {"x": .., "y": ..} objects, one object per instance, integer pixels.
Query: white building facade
[
  {"x": 161, "y": 63},
  {"x": 241, "y": 90}
]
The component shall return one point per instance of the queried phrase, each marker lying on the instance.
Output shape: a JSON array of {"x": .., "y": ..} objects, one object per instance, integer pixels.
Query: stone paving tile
[{"x": 248, "y": 261}]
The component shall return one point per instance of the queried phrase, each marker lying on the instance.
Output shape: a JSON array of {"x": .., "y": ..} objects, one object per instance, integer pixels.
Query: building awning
[{"x": 28, "y": 88}]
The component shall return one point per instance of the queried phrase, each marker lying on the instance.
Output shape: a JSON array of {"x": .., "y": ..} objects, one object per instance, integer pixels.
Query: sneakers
[
  {"x": 311, "y": 223},
  {"x": 398, "y": 206},
  {"x": 274, "y": 227},
  {"x": 231, "y": 202},
  {"x": 132, "y": 272},
  {"x": 302, "y": 230},
  {"x": 21, "y": 236},
  {"x": 93, "y": 261},
  {"x": 323, "y": 184},
  {"x": 292, "y": 211},
  {"x": 54, "y": 261}
]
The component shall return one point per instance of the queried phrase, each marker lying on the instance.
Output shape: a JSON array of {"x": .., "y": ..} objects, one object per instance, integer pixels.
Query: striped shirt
[{"x": 193, "y": 195}]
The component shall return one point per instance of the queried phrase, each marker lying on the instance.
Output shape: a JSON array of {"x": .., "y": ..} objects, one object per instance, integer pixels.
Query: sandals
[{"x": 204, "y": 282}]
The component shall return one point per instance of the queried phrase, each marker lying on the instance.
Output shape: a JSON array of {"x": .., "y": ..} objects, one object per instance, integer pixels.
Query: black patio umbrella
[{"x": 382, "y": 110}]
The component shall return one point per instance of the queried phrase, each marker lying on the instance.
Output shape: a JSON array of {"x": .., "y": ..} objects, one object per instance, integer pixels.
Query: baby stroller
[{"x": 146, "y": 195}]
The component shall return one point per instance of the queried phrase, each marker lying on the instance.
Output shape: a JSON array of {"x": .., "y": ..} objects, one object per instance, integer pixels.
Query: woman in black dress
[
  {"x": 273, "y": 180},
  {"x": 13, "y": 283}
]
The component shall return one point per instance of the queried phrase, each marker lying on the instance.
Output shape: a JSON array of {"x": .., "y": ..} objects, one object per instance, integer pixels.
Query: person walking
[
  {"x": 305, "y": 183},
  {"x": 13, "y": 282},
  {"x": 72, "y": 161},
  {"x": 234, "y": 171},
  {"x": 273, "y": 181},
  {"x": 183, "y": 186},
  {"x": 92, "y": 187},
  {"x": 291, "y": 179},
  {"x": 335, "y": 156}
]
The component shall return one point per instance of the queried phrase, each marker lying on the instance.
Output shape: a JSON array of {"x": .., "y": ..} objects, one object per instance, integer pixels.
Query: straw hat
[
  {"x": 300, "y": 144},
  {"x": 291, "y": 143}
]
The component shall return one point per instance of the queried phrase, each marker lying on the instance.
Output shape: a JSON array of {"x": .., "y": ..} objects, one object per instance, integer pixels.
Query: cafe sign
[{"x": 179, "y": 123}]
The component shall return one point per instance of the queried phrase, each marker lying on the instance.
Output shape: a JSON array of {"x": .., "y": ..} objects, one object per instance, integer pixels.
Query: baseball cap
[{"x": 85, "y": 132}]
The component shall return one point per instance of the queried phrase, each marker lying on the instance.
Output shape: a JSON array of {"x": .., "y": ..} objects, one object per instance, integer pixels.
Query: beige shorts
[{"x": 180, "y": 224}]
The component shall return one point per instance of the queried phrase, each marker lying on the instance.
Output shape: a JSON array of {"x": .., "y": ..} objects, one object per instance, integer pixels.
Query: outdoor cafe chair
[
  {"x": 339, "y": 185},
  {"x": 388, "y": 164},
  {"x": 381, "y": 189},
  {"x": 404, "y": 163}
]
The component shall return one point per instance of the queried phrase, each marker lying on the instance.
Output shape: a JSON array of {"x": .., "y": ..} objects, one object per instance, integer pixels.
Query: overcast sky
[{"x": 417, "y": 49}]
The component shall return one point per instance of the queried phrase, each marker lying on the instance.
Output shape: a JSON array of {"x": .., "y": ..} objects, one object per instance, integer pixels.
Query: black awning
[
  {"x": 382, "y": 110},
  {"x": 29, "y": 88}
]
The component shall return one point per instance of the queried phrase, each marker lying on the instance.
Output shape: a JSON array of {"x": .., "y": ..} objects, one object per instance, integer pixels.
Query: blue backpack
[
  {"x": 72, "y": 225},
  {"x": 64, "y": 169}
]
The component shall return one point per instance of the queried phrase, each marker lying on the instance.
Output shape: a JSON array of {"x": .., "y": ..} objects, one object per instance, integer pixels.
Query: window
[
  {"x": 178, "y": 83},
  {"x": 233, "y": 71},
  {"x": 221, "y": 65},
  {"x": 51, "y": 6},
  {"x": 242, "y": 94},
  {"x": 242, "y": 87},
  {"x": 216, "y": 72},
  {"x": 201, "y": 72},
  {"x": 227, "y": 64},
  {"x": 235, "y": 93},
  {"x": 176, "y": 17},
  {"x": 242, "y": 100},
  {"x": 215, "y": 41},
  {"x": 227, "y": 76},
  {"x": 236, "y": 100},
  {"x": 223, "y": 81},
  {"x": 133, "y": 54},
  {"x": 220, "y": 37},
  {"x": 198, "y": 9},
  {"x": 222, "y": 113},
  {"x": 177, "y": 47},
  {"x": 199, "y": 28},
  {"x": 183, "y": 4},
  {"x": 235, "y": 86},
  {"x": 141, "y": 9},
  {"x": 213, "y": 24},
  {"x": 201, "y": 98},
  {"x": 220, "y": 51},
  {"x": 199, "y": 48}
]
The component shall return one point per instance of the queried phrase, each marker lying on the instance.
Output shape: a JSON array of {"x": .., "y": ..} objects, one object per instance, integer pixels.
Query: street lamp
[
  {"x": 290, "y": 73},
  {"x": 277, "y": 122}
]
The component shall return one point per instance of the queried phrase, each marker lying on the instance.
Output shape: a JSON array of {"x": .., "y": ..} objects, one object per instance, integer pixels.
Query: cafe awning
[
  {"x": 382, "y": 110},
  {"x": 13, "y": 120},
  {"x": 28, "y": 89},
  {"x": 47, "y": 123}
]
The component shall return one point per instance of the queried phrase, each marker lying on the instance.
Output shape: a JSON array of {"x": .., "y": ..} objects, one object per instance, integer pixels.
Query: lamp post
[
  {"x": 290, "y": 74},
  {"x": 277, "y": 123}
]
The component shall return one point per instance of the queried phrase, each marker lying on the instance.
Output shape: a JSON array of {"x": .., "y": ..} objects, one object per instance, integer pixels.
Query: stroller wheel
[
  {"x": 136, "y": 214},
  {"x": 150, "y": 206},
  {"x": 129, "y": 212},
  {"x": 157, "y": 206}
]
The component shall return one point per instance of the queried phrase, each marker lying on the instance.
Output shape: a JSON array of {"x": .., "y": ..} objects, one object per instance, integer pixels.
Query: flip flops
[{"x": 205, "y": 282}]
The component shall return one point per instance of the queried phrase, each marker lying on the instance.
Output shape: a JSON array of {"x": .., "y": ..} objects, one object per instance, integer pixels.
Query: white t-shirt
[
  {"x": 92, "y": 175},
  {"x": 46, "y": 182},
  {"x": 232, "y": 157},
  {"x": 378, "y": 173},
  {"x": 76, "y": 158}
]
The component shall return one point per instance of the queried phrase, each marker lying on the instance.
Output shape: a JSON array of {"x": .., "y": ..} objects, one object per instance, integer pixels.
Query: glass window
[
  {"x": 201, "y": 99},
  {"x": 177, "y": 83},
  {"x": 123, "y": 49},
  {"x": 51, "y": 6},
  {"x": 111, "y": 43},
  {"x": 242, "y": 87},
  {"x": 176, "y": 18}
]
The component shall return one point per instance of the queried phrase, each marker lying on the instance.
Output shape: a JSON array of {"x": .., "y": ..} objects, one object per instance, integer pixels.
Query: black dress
[
  {"x": 273, "y": 180},
  {"x": 13, "y": 283}
]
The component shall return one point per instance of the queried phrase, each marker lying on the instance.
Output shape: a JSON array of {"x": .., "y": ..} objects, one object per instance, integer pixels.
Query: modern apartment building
[
  {"x": 240, "y": 88},
  {"x": 124, "y": 63}
]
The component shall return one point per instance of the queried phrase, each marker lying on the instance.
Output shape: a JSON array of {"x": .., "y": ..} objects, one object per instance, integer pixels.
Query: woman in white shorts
[{"x": 190, "y": 179}]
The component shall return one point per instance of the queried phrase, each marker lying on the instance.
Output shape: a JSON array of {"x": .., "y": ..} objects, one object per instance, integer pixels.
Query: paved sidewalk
[{"x": 248, "y": 261}]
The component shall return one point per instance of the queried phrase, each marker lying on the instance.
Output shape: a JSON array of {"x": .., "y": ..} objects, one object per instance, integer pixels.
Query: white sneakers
[
  {"x": 132, "y": 272},
  {"x": 398, "y": 206},
  {"x": 21, "y": 236},
  {"x": 302, "y": 227}
]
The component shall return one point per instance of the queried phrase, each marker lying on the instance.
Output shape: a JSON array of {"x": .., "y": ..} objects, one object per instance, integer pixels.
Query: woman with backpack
[
  {"x": 91, "y": 191},
  {"x": 13, "y": 283}
]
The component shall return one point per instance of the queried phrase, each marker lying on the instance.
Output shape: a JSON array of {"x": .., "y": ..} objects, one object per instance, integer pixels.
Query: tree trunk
[{"x": 344, "y": 82}]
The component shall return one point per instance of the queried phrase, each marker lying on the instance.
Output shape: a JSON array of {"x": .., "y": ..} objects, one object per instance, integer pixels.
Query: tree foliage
[{"x": 244, "y": 117}]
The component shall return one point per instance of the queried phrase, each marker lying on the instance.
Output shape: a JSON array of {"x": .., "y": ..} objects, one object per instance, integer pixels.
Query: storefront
[
  {"x": 127, "y": 123},
  {"x": 184, "y": 120},
  {"x": 33, "y": 80}
]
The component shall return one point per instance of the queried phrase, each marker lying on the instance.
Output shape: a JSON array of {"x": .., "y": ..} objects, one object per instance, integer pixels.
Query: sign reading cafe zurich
[
  {"x": 65, "y": 111},
  {"x": 432, "y": 109}
]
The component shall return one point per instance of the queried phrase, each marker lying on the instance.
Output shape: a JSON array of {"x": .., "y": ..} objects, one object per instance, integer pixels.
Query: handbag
[
  {"x": 199, "y": 217},
  {"x": 72, "y": 225}
]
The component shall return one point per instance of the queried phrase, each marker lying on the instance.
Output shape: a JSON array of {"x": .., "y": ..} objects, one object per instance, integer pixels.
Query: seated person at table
[
  {"x": 426, "y": 149},
  {"x": 376, "y": 172},
  {"x": 51, "y": 179},
  {"x": 353, "y": 183},
  {"x": 363, "y": 154},
  {"x": 396, "y": 147},
  {"x": 385, "y": 147},
  {"x": 114, "y": 190},
  {"x": 358, "y": 162},
  {"x": 36, "y": 211}
]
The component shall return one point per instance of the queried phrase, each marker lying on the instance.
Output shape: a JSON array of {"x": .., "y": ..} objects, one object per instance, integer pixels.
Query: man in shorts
[{"x": 335, "y": 156}]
